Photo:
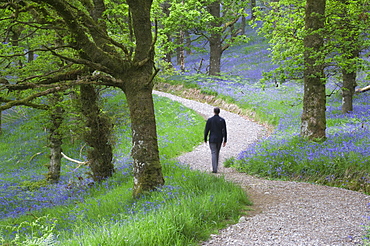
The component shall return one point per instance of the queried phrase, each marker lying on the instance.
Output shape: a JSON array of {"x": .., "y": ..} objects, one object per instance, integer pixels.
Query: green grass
[
  {"x": 186, "y": 210},
  {"x": 190, "y": 206}
]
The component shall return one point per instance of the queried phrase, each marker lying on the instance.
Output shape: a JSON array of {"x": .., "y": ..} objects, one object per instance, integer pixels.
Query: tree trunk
[
  {"x": 253, "y": 14},
  {"x": 55, "y": 139},
  {"x": 138, "y": 89},
  {"x": 313, "y": 120},
  {"x": 188, "y": 43},
  {"x": 98, "y": 135},
  {"x": 166, "y": 11},
  {"x": 215, "y": 40},
  {"x": 147, "y": 167},
  {"x": 181, "y": 51},
  {"x": 348, "y": 90}
]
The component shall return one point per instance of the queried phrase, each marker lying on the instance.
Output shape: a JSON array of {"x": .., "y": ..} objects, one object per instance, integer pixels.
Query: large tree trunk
[
  {"x": 98, "y": 136},
  {"x": 147, "y": 167},
  {"x": 215, "y": 43},
  {"x": 55, "y": 139},
  {"x": 138, "y": 89},
  {"x": 313, "y": 121}
]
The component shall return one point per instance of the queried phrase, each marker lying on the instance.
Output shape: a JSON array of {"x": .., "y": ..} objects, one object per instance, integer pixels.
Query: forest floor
[{"x": 283, "y": 212}]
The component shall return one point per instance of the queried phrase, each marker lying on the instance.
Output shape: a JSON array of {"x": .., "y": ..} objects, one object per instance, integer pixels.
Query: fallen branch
[
  {"x": 80, "y": 163},
  {"x": 366, "y": 88},
  {"x": 32, "y": 157}
]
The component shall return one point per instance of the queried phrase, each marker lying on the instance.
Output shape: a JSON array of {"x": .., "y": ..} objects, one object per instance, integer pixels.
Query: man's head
[{"x": 216, "y": 110}]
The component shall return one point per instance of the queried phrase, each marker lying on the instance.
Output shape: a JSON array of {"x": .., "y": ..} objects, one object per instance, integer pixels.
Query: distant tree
[
  {"x": 213, "y": 20},
  {"x": 313, "y": 121},
  {"x": 345, "y": 38},
  {"x": 348, "y": 40},
  {"x": 214, "y": 38}
]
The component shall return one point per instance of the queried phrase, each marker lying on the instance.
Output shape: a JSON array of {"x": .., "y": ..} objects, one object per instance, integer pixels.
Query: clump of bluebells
[
  {"x": 341, "y": 160},
  {"x": 21, "y": 198}
]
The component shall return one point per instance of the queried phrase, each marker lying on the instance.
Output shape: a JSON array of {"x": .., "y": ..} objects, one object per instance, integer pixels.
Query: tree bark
[
  {"x": 166, "y": 11},
  {"x": 350, "y": 37},
  {"x": 55, "y": 139},
  {"x": 147, "y": 167},
  {"x": 98, "y": 136},
  {"x": 348, "y": 90},
  {"x": 215, "y": 43},
  {"x": 138, "y": 89},
  {"x": 313, "y": 120},
  {"x": 181, "y": 51}
]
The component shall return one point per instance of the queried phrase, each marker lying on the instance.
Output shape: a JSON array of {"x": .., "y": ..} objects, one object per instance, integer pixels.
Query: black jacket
[{"x": 216, "y": 127}]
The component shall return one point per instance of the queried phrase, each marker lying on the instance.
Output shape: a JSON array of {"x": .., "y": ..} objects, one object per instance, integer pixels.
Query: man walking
[{"x": 216, "y": 128}]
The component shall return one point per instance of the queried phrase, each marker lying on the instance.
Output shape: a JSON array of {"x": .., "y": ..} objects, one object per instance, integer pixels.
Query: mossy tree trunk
[
  {"x": 147, "y": 167},
  {"x": 97, "y": 134},
  {"x": 313, "y": 120},
  {"x": 138, "y": 89},
  {"x": 55, "y": 138}
]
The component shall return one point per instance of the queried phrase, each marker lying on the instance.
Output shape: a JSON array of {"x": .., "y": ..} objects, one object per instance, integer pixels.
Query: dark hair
[{"x": 216, "y": 110}]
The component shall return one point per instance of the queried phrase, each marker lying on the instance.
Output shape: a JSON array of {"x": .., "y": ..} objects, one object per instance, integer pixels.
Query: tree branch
[
  {"x": 28, "y": 104},
  {"x": 80, "y": 163},
  {"x": 366, "y": 88},
  {"x": 68, "y": 80},
  {"x": 27, "y": 101},
  {"x": 96, "y": 66},
  {"x": 98, "y": 58}
]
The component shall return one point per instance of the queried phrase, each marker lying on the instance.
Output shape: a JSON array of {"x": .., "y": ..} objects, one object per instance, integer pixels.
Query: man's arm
[
  {"x": 206, "y": 131},
  {"x": 224, "y": 133}
]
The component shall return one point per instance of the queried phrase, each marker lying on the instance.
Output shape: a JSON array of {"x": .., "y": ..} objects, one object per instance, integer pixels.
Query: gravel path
[{"x": 284, "y": 213}]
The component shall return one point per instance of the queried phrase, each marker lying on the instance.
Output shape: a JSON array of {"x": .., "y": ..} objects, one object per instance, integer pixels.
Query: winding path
[{"x": 284, "y": 213}]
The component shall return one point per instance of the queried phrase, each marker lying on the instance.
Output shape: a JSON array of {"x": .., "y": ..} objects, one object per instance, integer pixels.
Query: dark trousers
[{"x": 215, "y": 151}]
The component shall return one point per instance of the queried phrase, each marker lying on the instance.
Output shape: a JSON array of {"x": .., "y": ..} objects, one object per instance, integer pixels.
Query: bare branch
[
  {"x": 366, "y": 88},
  {"x": 80, "y": 163}
]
